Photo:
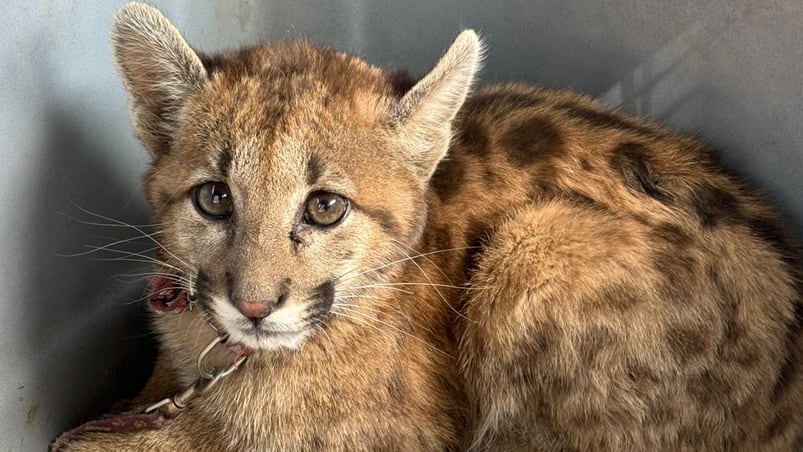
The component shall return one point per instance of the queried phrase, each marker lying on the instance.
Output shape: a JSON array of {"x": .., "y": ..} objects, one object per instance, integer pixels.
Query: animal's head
[{"x": 285, "y": 178}]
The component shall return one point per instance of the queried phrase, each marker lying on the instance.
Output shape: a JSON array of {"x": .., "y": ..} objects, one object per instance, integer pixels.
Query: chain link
[{"x": 171, "y": 406}]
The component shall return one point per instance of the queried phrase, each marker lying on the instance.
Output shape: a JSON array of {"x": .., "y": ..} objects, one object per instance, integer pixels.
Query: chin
[{"x": 266, "y": 340}]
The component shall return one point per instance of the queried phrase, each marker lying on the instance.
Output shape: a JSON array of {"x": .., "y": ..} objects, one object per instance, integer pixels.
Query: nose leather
[{"x": 256, "y": 309}]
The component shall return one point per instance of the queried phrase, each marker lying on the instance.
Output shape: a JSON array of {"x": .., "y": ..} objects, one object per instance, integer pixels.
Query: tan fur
[{"x": 563, "y": 278}]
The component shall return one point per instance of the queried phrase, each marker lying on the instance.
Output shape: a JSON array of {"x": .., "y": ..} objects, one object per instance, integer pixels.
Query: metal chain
[{"x": 171, "y": 406}]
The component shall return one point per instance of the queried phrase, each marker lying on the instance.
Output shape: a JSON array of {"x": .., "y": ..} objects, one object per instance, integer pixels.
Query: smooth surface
[{"x": 728, "y": 70}]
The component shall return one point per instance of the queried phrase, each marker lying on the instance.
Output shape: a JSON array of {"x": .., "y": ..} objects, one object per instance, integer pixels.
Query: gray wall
[{"x": 729, "y": 70}]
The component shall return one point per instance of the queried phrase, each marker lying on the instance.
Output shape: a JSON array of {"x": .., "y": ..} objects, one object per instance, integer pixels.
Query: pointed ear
[
  {"x": 424, "y": 115},
  {"x": 158, "y": 69}
]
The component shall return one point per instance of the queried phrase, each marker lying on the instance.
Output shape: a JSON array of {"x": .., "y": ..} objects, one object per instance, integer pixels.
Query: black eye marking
[
  {"x": 224, "y": 162},
  {"x": 325, "y": 209},
  {"x": 213, "y": 200},
  {"x": 314, "y": 169}
]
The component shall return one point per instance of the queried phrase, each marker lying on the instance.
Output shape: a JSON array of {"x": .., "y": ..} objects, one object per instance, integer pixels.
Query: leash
[{"x": 167, "y": 300}]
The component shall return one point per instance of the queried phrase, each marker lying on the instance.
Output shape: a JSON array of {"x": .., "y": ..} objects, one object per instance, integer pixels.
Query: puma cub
[{"x": 427, "y": 266}]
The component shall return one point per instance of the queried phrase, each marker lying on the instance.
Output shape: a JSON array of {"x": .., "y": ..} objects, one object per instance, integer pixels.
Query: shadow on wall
[{"x": 83, "y": 323}]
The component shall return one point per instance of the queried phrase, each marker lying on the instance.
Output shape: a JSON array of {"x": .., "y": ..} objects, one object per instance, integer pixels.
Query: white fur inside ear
[
  {"x": 158, "y": 69},
  {"x": 425, "y": 113}
]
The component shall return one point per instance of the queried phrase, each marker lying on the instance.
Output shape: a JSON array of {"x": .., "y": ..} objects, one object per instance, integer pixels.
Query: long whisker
[
  {"x": 384, "y": 286},
  {"x": 405, "y": 259},
  {"x": 434, "y": 265},
  {"x": 143, "y": 258},
  {"x": 364, "y": 317},
  {"x": 103, "y": 217},
  {"x": 116, "y": 224},
  {"x": 135, "y": 277},
  {"x": 432, "y": 283},
  {"x": 95, "y": 249}
]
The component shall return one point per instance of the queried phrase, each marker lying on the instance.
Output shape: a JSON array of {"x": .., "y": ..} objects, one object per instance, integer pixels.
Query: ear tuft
[
  {"x": 425, "y": 113},
  {"x": 158, "y": 68}
]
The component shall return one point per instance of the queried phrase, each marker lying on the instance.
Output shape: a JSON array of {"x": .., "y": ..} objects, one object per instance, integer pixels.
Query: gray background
[{"x": 71, "y": 334}]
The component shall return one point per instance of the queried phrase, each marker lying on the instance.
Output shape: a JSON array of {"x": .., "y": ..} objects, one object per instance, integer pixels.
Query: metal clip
[{"x": 171, "y": 406}]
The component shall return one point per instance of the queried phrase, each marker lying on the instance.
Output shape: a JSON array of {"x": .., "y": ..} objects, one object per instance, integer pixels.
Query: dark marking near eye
[
  {"x": 385, "y": 219},
  {"x": 531, "y": 141},
  {"x": 314, "y": 169},
  {"x": 605, "y": 119},
  {"x": 448, "y": 178},
  {"x": 472, "y": 138},
  {"x": 224, "y": 162},
  {"x": 631, "y": 160},
  {"x": 714, "y": 205},
  {"x": 295, "y": 238}
]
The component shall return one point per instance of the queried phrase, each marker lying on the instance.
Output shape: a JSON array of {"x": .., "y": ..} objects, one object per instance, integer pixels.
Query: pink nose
[{"x": 255, "y": 309}]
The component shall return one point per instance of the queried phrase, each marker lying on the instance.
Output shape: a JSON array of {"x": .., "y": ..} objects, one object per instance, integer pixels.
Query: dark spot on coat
[
  {"x": 594, "y": 344},
  {"x": 714, "y": 205},
  {"x": 582, "y": 200},
  {"x": 314, "y": 169},
  {"x": 397, "y": 386},
  {"x": 619, "y": 298},
  {"x": 448, "y": 178},
  {"x": 686, "y": 342},
  {"x": 472, "y": 138},
  {"x": 533, "y": 140},
  {"x": 504, "y": 102},
  {"x": 676, "y": 265},
  {"x": 475, "y": 237},
  {"x": 642, "y": 379},
  {"x": 728, "y": 301},
  {"x": 313, "y": 442},
  {"x": 709, "y": 388},
  {"x": 790, "y": 374},
  {"x": 775, "y": 233},
  {"x": 603, "y": 119},
  {"x": 585, "y": 165},
  {"x": 631, "y": 161},
  {"x": 672, "y": 235}
]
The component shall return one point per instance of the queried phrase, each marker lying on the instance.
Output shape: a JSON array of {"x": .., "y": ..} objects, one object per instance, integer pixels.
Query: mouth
[
  {"x": 280, "y": 330},
  {"x": 165, "y": 297}
]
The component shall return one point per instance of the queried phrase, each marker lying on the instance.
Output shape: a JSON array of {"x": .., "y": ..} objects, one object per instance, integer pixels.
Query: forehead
[{"x": 286, "y": 108}]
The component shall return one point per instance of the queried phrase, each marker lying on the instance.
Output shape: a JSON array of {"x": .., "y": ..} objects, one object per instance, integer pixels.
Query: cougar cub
[{"x": 427, "y": 266}]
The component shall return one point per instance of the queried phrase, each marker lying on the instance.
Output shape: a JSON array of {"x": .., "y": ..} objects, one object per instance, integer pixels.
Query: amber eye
[
  {"x": 325, "y": 209},
  {"x": 213, "y": 200}
]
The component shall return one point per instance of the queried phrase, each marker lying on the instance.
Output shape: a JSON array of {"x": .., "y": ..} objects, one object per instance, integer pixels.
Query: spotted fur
[{"x": 520, "y": 268}]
